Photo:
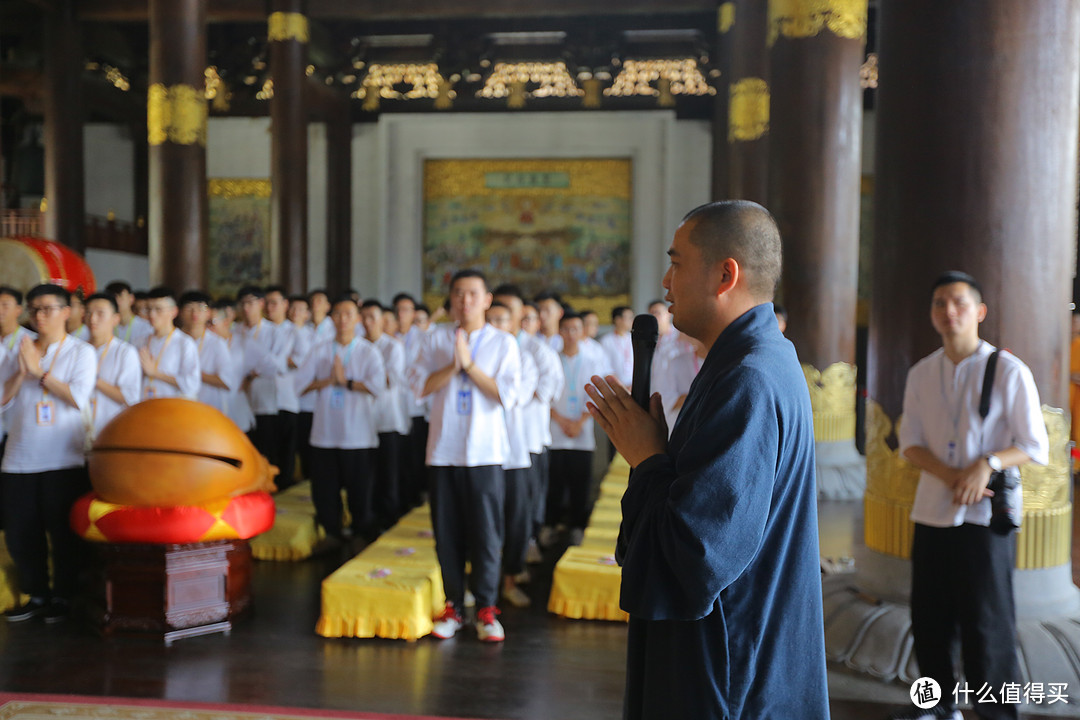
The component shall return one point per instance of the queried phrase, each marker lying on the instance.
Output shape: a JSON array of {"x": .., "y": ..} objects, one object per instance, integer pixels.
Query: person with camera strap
[{"x": 971, "y": 417}]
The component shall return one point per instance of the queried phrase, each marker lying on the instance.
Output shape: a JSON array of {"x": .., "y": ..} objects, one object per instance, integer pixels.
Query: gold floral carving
[
  {"x": 283, "y": 26},
  {"x": 238, "y": 187},
  {"x": 176, "y": 114},
  {"x": 600, "y": 177},
  {"x": 807, "y": 18},
  {"x": 726, "y": 17},
  {"x": 1044, "y": 539},
  {"x": 748, "y": 114},
  {"x": 832, "y": 397}
]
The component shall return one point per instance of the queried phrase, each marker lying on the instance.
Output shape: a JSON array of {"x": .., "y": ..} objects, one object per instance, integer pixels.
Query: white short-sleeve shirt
[
  {"x": 344, "y": 419},
  {"x": 118, "y": 364},
  {"x": 941, "y": 414},
  {"x": 44, "y": 432},
  {"x": 216, "y": 359},
  {"x": 177, "y": 355},
  {"x": 570, "y": 403},
  {"x": 468, "y": 428}
]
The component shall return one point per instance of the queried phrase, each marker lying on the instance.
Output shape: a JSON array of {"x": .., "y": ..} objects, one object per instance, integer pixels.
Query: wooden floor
[{"x": 549, "y": 668}]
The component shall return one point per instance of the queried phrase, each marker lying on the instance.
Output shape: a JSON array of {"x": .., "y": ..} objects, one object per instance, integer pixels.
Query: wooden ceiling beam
[{"x": 380, "y": 10}]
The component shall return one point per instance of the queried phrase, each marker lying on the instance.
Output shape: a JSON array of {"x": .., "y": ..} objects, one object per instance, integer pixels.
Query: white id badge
[
  {"x": 464, "y": 402},
  {"x": 45, "y": 413},
  {"x": 337, "y": 399},
  {"x": 572, "y": 408},
  {"x": 150, "y": 393}
]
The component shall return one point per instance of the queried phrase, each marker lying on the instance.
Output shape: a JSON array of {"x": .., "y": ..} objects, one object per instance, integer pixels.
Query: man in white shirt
[
  {"x": 300, "y": 316},
  {"x": 119, "y": 373},
  {"x": 319, "y": 302},
  {"x": 961, "y": 584},
  {"x": 132, "y": 328},
  {"x": 391, "y": 421},
  {"x": 617, "y": 344},
  {"x": 46, "y": 387},
  {"x": 572, "y": 439},
  {"x": 551, "y": 310},
  {"x": 681, "y": 365},
  {"x": 76, "y": 324},
  {"x": 346, "y": 375},
  {"x": 169, "y": 357},
  {"x": 471, "y": 371},
  {"x": 517, "y": 469},
  {"x": 536, "y": 413},
  {"x": 11, "y": 335},
  {"x": 288, "y": 403},
  {"x": 266, "y": 356},
  {"x": 217, "y": 368},
  {"x": 221, "y": 324},
  {"x": 413, "y": 469}
]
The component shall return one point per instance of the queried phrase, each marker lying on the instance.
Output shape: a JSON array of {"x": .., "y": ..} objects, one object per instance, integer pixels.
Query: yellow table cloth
[
  {"x": 295, "y": 533},
  {"x": 368, "y": 599},
  {"x": 586, "y": 586}
]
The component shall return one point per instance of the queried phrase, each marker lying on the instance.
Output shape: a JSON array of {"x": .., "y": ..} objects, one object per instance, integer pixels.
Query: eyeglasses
[{"x": 44, "y": 310}]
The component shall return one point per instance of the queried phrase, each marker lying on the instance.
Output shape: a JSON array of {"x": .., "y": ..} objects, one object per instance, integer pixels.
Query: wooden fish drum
[{"x": 28, "y": 261}]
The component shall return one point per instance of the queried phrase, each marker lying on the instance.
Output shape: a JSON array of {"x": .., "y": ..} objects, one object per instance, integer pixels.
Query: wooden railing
[
  {"x": 22, "y": 222},
  {"x": 101, "y": 233}
]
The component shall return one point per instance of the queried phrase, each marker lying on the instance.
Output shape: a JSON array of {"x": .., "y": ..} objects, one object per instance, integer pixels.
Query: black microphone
[{"x": 643, "y": 339}]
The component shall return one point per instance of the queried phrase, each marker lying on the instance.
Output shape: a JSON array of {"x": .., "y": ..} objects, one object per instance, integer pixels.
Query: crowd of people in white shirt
[{"x": 485, "y": 412}]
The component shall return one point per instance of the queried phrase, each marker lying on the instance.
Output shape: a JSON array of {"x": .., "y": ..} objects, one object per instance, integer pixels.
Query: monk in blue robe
[{"x": 719, "y": 545}]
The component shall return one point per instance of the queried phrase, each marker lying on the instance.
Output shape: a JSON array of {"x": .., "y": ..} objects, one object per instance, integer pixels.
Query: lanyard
[
  {"x": 572, "y": 386},
  {"x": 127, "y": 333},
  {"x": 346, "y": 352},
  {"x": 44, "y": 392},
  {"x": 157, "y": 358},
  {"x": 14, "y": 337},
  {"x": 473, "y": 346}
]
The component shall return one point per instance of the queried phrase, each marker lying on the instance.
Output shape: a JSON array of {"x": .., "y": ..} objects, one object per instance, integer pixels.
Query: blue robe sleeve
[{"x": 694, "y": 518}]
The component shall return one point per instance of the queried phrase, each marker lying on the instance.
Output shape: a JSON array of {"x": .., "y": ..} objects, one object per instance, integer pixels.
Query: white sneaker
[
  {"x": 488, "y": 628},
  {"x": 447, "y": 624},
  {"x": 533, "y": 556},
  {"x": 470, "y": 599},
  {"x": 516, "y": 596}
]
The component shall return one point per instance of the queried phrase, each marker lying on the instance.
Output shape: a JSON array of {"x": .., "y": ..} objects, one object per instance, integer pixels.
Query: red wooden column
[
  {"x": 176, "y": 132},
  {"x": 65, "y": 214},
  {"x": 287, "y": 31},
  {"x": 748, "y": 102},
  {"x": 813, "y": 183}
]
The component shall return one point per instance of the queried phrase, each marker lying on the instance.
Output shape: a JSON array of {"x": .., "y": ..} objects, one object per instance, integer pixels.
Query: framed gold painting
[
  {"x": 558, "y": 225},
  {"x": 238, "y": 245}
]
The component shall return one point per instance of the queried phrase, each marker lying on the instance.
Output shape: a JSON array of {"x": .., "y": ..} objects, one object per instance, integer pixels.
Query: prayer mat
[
  {"x": 586, "y": 582},
  {"x": 25, "y": 706}
]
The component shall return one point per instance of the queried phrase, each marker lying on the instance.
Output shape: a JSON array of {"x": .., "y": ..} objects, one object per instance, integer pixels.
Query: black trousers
[
  {"x": 569, "y": 481},
  {"x": 333, "y": 470},
  {"x": 414, "y": 467},
  {"x": 36, "y": 508},
  {"x": 467, "y": 516},
  {"x": 388, "y": 479},
  {"x": 275, "y": 437},
  {"x": 303, "y": 441},
  {"x": 518, "y": 519},
  {"x": 540, "y": 467},
  {"x": 961, "y": 590}
]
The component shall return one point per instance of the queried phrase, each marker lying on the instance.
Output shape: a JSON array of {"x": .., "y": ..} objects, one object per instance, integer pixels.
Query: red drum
[{"x": 28, "y": 261}]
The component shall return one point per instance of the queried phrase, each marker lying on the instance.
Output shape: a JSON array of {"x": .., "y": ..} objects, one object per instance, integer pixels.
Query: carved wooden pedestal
[{"x": 174, "y": 591}]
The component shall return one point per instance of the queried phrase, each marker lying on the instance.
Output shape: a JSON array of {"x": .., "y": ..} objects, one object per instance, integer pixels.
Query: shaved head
[{"x": 742, "y": 230}]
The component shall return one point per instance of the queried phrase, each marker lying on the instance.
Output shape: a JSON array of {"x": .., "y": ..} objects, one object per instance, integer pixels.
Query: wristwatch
[{"x": 994, "y": 462}]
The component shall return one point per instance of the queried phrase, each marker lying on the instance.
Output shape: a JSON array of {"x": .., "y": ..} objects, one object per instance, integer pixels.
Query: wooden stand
[{"x": 174, "y": 591}]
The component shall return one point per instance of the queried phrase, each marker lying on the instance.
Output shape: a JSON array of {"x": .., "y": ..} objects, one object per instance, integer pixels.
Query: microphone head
[{"x": 645, "y": 330}]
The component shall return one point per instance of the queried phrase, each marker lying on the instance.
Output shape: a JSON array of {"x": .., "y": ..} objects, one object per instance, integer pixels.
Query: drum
[{"x": 28, "y": 261}]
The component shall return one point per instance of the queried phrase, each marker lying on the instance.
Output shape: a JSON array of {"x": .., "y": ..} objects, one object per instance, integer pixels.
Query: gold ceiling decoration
[
  {"x": 638, "y": 77},
  {"x": 267, "y": 91},
  {"x": 551, "y": 79},
  {"x": 423, "y": 80},
  {"x": 282, "y": 26},
  {"x": 217, "y": 92}
]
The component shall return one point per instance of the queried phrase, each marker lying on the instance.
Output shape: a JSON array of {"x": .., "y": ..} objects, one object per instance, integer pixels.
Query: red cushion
[{"x": 237, "y": 518}]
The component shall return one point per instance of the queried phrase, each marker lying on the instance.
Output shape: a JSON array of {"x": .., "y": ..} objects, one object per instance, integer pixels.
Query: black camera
[{"x": 1006, "y": 503}]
